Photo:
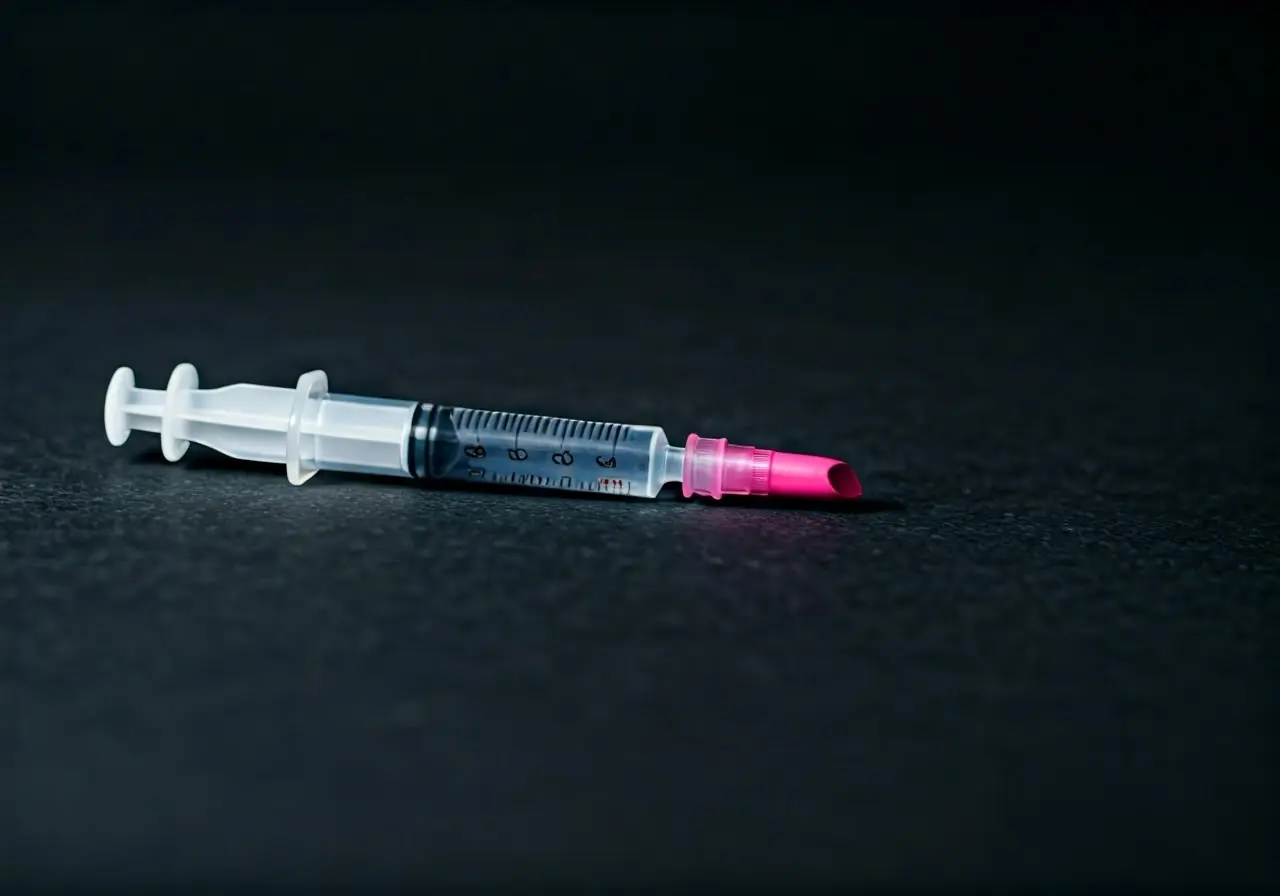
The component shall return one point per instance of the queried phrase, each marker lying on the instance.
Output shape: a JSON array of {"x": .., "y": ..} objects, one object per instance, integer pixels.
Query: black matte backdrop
[{"x": 1019, "y": 271}]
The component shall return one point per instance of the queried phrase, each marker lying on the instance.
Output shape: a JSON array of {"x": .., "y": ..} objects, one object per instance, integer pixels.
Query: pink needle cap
[{"x": 714, "y": 467}]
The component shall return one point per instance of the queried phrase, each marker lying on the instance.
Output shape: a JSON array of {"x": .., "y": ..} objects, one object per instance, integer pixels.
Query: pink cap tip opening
[{"x": 715, "y": 468}]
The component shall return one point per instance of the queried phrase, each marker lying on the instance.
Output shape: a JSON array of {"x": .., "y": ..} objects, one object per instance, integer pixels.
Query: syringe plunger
[{"x": 305, "y": 428}]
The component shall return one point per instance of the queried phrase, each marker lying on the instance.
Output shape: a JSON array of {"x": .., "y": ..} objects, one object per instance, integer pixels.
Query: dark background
[{"x": 1019, "y": 271}]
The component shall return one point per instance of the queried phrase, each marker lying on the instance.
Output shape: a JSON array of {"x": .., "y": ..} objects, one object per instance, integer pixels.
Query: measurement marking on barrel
[
  {"x": 515, "y": 452},
  {"x": 612, "y": 460}
]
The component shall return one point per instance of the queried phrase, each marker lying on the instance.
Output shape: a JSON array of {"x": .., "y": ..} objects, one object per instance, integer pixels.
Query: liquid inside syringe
[
  {"x": 505, "y": 448},
  {"x": 309, "y": 429}
]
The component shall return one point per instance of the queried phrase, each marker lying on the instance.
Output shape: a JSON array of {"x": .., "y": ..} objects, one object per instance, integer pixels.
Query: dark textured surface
[{"x": 1042, "y": 651}]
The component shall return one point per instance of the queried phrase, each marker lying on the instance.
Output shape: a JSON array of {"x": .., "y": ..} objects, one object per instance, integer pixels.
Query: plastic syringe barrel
[
  {"x": 308, "y": 429},
  {"x": 305, "y": 428}
]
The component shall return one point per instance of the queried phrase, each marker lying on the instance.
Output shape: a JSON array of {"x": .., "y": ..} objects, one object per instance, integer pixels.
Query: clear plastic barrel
[{"x": 503, "y": 448}]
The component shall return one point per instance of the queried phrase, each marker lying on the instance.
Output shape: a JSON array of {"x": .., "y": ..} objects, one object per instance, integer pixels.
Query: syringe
[{"x": 309, "y": 429}]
